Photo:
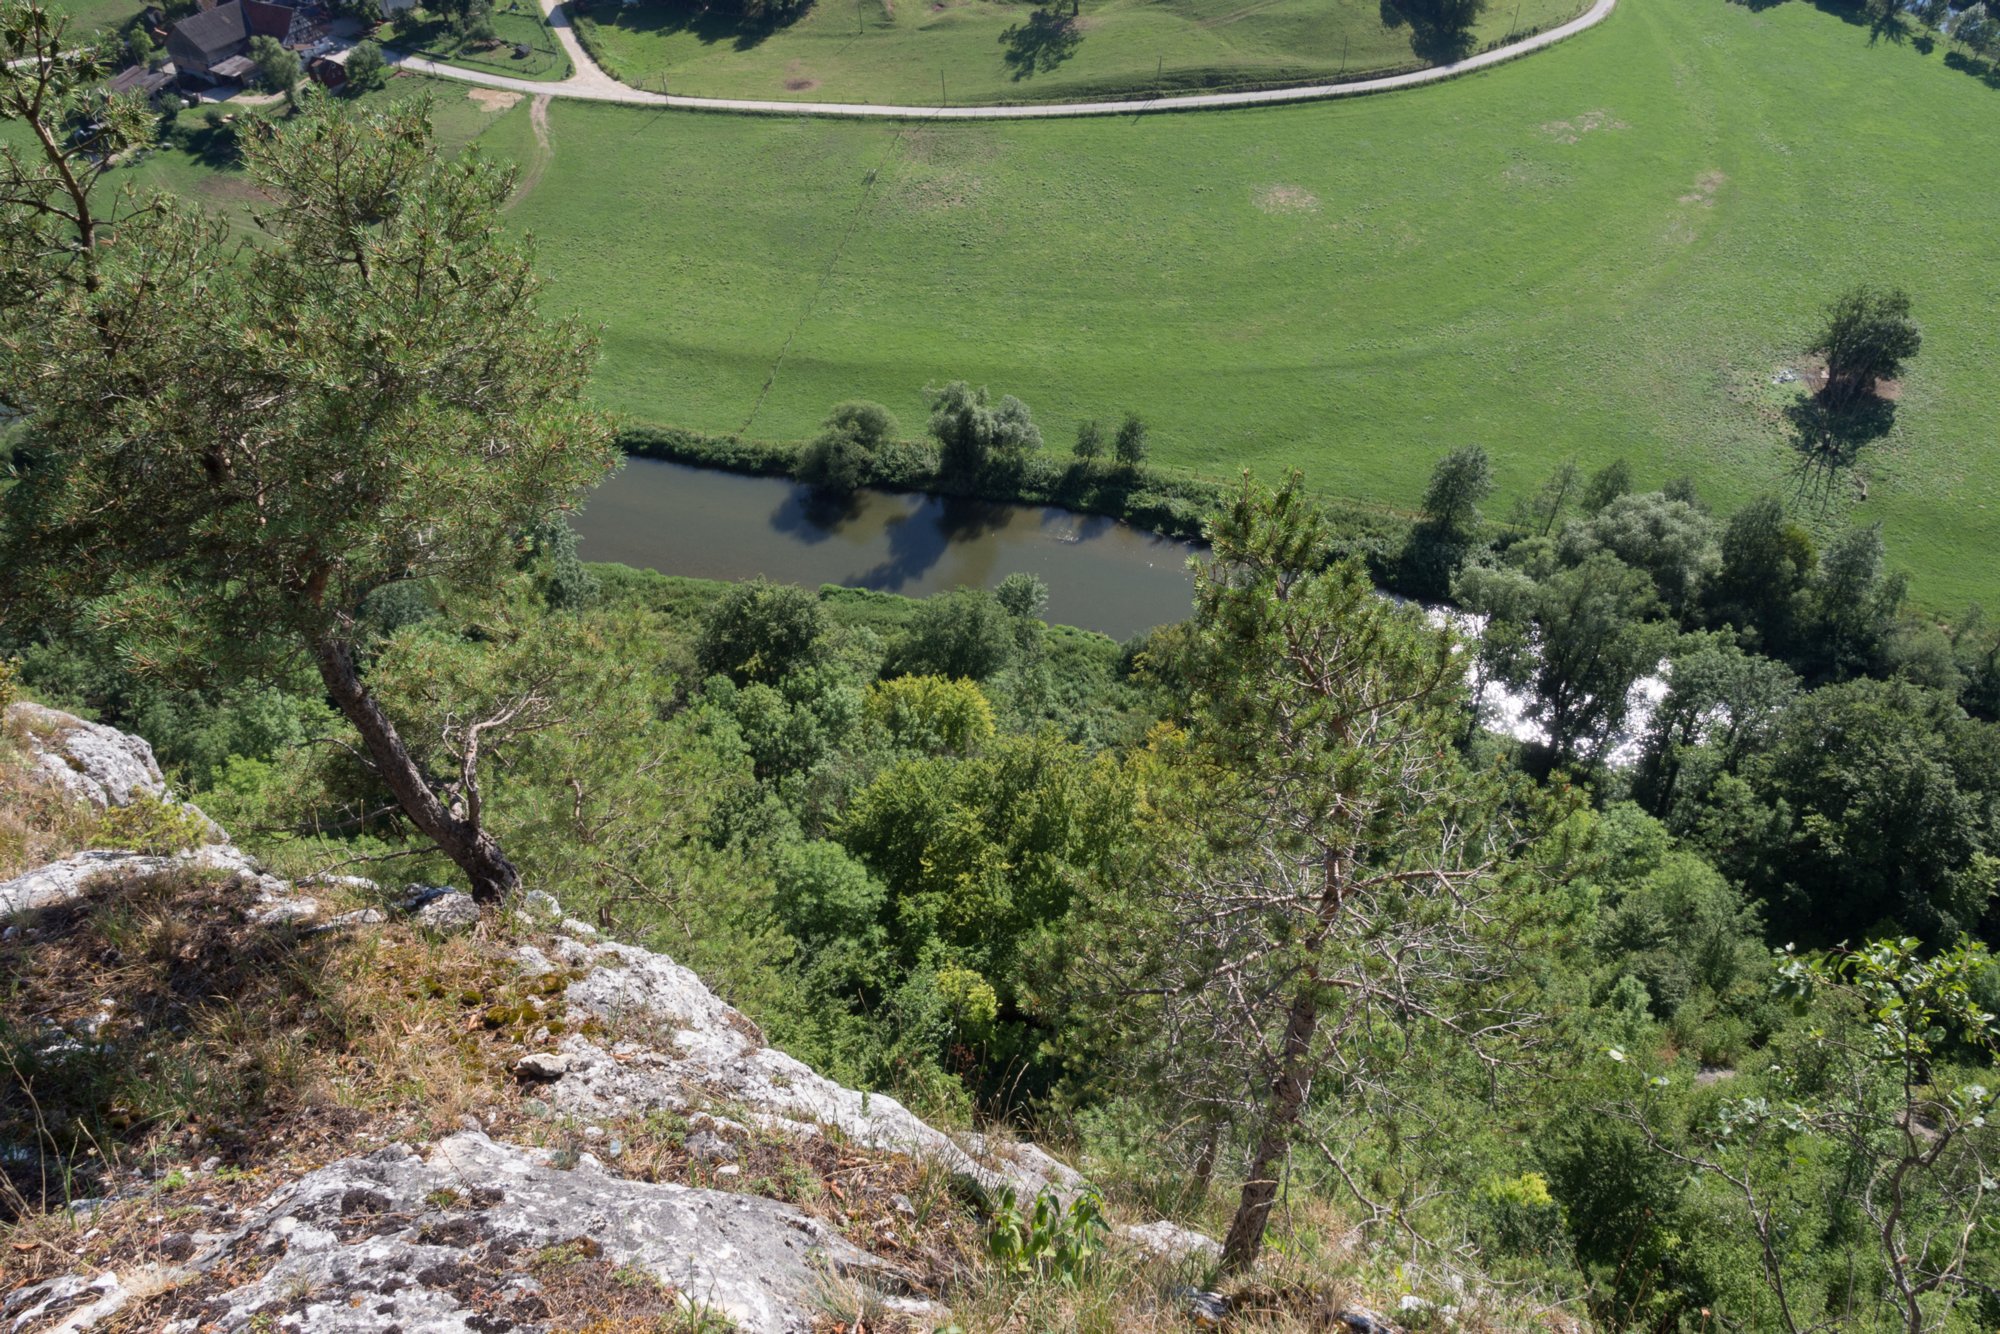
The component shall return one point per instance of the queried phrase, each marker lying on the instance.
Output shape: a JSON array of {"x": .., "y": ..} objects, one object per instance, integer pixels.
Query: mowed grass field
[
  {"x": 498, "y": 122},
  {"x": 1607, "y": 249},
  {"x": 916, "y": 51}
]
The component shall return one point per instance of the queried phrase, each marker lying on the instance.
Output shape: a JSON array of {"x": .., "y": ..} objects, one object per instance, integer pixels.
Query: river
[{"x": 1102, "y": 575}]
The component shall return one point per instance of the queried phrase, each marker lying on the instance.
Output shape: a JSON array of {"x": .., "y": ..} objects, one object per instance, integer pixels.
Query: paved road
[{"x": 592, "y": 84}]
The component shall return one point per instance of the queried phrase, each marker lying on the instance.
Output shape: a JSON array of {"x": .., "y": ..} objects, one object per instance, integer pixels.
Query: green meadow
[
  {"x": 1610, "y": 248},
  {"x": 1004, "y": 51}
]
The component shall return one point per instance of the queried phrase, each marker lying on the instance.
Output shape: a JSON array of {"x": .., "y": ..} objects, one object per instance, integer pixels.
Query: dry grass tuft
[
  {"x": 40, "y": 821},
  {"x": 146, "y": 1028}
]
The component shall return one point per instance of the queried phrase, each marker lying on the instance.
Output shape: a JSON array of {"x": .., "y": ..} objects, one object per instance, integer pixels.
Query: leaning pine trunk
[
  {"x": 1288, "y": 1097},
  {"x": 492, "y": 877},
  {"x": 1289, "y": 1083}
]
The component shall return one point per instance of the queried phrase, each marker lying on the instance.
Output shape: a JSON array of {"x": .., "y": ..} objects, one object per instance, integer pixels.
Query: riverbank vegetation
[{"x": 942, "y": 848}]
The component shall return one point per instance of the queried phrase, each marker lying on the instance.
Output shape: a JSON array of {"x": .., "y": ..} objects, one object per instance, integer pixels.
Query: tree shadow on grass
[
  {"x": 1888, "y": 21},
  {"x": 1440, "y": 30},
  {"x": 1987, "y": 72},
  {"x": 1828, "y": 437},
  {"x": 1041, "y": 43},
  {"x": 705, "y": 23}
]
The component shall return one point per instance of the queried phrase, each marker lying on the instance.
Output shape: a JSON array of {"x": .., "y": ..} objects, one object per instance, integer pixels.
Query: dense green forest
[{"x": 1251, "y": 912}]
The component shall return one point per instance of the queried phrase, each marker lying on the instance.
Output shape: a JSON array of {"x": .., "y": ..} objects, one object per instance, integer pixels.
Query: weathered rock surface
[
  {"x": 59, "y": 882},
  {"x": 698, "y": 1049},
  {"x": 444, "y": 911},
  {"x": 444, "y": 1243},
  {"x": 100, "y": 764},
  {"x": 1170, "y": 1242}
]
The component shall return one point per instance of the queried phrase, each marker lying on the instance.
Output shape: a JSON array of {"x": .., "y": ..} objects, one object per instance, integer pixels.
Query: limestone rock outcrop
[
  {"x": 445, "y": 1241},
  {"x": 444, "y": 1238},
  {"x": 716, "y": 1054},
  {"x": 99, "y": 764}
]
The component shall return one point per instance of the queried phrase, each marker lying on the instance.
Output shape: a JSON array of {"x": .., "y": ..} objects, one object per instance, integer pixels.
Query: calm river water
[{"x": 1102, "y": 575}]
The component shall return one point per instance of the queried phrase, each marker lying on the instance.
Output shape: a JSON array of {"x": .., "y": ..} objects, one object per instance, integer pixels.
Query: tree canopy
[{"x": 372, "y": 399}]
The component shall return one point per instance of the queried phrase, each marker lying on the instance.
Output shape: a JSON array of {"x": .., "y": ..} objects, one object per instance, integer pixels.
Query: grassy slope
[
  {"x": 895, "y": 50},
  {"x": 1606, "y": 249},
  {"x": 85, "y": 15}
]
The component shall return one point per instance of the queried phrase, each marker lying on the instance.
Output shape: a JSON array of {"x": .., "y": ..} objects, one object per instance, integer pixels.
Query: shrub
[
  {"x": 154, "y": 827},
  {"x": 963, "y": 633},
  {"x": 969, "y": 999},
  {"x": 820, "y": 893},
  {"x": 761, "y": 632},
  {"x": 931, "y": 713},
  {"x": 1051, "y": 1241}
]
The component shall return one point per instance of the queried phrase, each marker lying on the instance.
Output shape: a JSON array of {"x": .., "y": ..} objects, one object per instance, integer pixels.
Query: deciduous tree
[
  {"x": 1130, "y": 445},
  {"x": 1885, "y": 1072},
  {"x": 1868, "y": 336},
  {"x": 366, "y": 69},
  {"x": 762, "y": 632},
  {"x": 277, "y": 67},
  {"x": 971, "y": 430}
]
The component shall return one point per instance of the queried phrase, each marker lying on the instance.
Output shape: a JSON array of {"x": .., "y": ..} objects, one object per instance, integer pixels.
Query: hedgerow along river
[{"x": 1102, "y": 575}]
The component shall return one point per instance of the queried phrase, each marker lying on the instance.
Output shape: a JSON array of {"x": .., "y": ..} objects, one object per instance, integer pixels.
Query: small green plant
[
  {"x": 1049, "y": 1240},
  {"x": 10, "y": 683},
  {"x": 153, "y": 826}
]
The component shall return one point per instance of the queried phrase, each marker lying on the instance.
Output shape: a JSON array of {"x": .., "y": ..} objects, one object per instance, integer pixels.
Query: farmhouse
[
  {"x": 137, "y": 79},
  {"x": 213, "y": 46}
]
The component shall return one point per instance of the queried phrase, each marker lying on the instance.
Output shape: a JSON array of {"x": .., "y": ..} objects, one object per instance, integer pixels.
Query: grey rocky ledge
[
  {"x": 444, "y": 1243},
  {"x": 59, "y": 882},
  {"x": 99, "y": 764},
  {"x": 700, "y": 1051},
  {"x": 94, "y": 763},
  {"x": 389, "y": 1239}
]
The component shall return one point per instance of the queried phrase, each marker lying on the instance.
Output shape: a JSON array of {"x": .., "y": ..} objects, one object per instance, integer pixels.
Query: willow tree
[
  {"x": 1327, "y": 882},
  {"x": 225, "y": 450}
]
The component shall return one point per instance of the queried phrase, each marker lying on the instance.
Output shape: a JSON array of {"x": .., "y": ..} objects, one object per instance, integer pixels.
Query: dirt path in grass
[
  {"x": 538, "y": 118},
  {"x": 591, "y": 83}
]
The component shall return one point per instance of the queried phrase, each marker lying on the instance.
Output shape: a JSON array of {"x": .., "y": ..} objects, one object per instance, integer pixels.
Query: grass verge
[{"x": 1004, "y": 51}]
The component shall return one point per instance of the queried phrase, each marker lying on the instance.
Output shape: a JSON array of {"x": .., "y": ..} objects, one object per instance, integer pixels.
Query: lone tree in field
[
  {"x": 1327, "y": 874},
  {"x": 369, "y": 398},
  {"x": 1868, "y": 336}
]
